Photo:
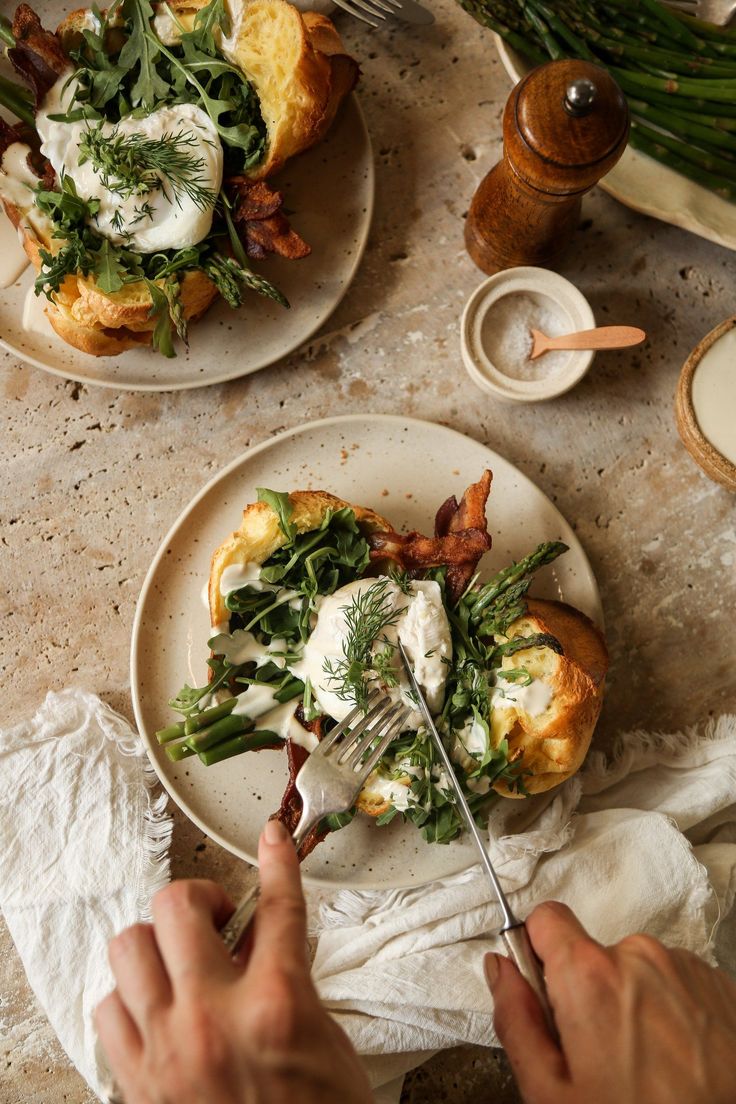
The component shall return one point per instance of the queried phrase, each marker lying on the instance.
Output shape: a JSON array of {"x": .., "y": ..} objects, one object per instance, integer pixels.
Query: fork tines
[
  {"x": 370, "y": 11},
  {"x": 383, "y": 718}
]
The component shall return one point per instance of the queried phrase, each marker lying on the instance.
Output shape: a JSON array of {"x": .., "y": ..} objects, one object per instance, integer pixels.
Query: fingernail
[
  {"x": 490, "y": 965},
  {"x": 274, "y": 832}
]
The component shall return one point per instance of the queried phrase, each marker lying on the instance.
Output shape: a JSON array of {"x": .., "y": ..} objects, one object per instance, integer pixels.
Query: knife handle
[{"x": 521, "y": 952}]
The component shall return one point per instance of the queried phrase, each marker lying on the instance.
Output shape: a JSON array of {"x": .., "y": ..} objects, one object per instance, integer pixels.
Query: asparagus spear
[
  {"x": 6, "y": 33},
  {"x": 253, "y": 741},
  {"x": 544, "y": 554},
  {"x": 702, "y": 159},
  {"x": 716, "y": 183},
  {"x": 17, "y": 100}
]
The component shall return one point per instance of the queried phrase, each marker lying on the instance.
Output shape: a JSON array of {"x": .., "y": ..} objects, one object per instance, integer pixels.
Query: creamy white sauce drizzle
[
  {"x": 34, "y": 318},
  {"x": 13, "y": 261},
  {"x": 282, "y": 721},
  {"x": 714, "y": 395},
  {"x": 236, "y": 576},
  {"x": 242, "y": 646},
  {"x": 397, "y": 793},
  {"x": 473, "y": 738},
  {"x": 255, "y": 701},
  {"x": 17, "y": 184},
  {"x": 533, "y": 699},
  {"x": 174, "y": 221}
]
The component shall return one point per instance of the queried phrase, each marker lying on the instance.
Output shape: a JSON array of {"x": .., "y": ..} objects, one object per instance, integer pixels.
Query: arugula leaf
[
  {"x": 208, "y": 20},
  {"x": 335, "y": 821},
  {"x": 280, "y": 503},
  {"x": 109, "y": 269},
  {"x": 162, "y": 334},
  {"x": 66, "y": 207},
  {"x": 141, "y": 51},
  {"x": 72, "y": 258}
]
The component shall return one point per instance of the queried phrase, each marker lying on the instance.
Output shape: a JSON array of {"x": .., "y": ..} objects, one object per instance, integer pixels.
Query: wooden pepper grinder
[{"x": 565, "y": 125}]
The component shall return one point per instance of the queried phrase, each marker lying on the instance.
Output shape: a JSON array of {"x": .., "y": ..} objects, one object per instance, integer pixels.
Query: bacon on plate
[{"x": 38, "y": 56}]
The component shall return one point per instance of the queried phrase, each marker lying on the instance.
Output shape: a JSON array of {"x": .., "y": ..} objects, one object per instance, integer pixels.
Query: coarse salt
[{"x": 507, "y": 339}]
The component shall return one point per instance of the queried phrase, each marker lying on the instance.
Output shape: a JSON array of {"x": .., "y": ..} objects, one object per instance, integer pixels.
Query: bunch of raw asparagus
[{"x": 678, "y": 72}]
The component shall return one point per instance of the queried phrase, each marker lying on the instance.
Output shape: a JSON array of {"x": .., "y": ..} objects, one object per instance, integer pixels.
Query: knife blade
[{"x": 512, "y": 931}]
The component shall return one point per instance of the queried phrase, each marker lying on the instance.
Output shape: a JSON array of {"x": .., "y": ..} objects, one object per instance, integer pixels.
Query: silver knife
[{"x": 513, "y": 931}]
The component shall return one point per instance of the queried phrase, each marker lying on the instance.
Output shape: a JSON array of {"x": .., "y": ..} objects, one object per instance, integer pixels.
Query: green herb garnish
[
  {"x": 365, "y": 615},
  {"x": 134, "y": 165}
]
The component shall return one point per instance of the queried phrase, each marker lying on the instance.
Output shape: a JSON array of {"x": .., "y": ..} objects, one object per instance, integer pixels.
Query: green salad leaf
[{"x": 280, "y": 503}]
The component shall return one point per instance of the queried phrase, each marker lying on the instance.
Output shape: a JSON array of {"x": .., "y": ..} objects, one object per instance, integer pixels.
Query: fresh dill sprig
[
  {"x": 133, "y": 165},
  {"x": 145, "y": 211},
  {"x": 365, "y": 615},
  {"x": 401, "y": 578},
  {"x": 382, "y": 663}
]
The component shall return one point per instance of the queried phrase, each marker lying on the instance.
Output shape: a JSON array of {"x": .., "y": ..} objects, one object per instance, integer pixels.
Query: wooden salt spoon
[{"x": 603, "y": 337}]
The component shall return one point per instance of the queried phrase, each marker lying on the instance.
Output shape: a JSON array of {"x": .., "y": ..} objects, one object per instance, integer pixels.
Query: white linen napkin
[
  {"x": 84, "y": 843},
  {"x": 648, "y": 843}
]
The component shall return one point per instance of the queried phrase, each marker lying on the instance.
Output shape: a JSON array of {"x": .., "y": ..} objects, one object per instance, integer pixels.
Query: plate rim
[
  {"x": 222, "y": 474},
  {"x": 227, "y": 377}
]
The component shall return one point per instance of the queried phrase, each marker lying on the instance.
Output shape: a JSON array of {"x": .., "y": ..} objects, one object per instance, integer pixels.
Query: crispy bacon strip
[
  {"x": 260, "y": 222},
  {"x": 38, "y": 56},
  {"x": 291, "y": 802},
  {"x": 461, "y": 539},
  {"x": 9, "y": 135},
  {"x": 470, "y": 514}
]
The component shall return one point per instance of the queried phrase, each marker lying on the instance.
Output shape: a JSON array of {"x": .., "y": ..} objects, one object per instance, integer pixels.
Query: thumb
[{"x": 538, "y": 1063}]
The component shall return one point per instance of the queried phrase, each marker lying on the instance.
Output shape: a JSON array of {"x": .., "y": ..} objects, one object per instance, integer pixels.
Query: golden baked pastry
[
  {"x": 259, "y": 535},
  {"x": 299, "y": 73}
]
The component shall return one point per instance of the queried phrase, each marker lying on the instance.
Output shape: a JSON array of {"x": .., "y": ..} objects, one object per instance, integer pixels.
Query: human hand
[
  {"x": 638, "y": 1023},
  {"x": 188, "y": 1024}
]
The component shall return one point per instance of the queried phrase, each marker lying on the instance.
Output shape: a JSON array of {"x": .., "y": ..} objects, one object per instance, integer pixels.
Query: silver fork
[
  {"x": 330, "y": 781},
  {"x": 373, "y": 11},
  {"x": 719, "y": 12}
]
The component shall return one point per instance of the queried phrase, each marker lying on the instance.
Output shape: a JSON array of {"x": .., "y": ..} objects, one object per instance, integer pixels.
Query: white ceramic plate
[
  {"x": 643, "y": 184},
  {"x": 405, "y": 469},
  {"x": 330, "y": 192}
]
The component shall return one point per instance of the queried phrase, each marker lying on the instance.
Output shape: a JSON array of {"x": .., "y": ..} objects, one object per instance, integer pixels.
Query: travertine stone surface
[{"x": 93, "y": 479}]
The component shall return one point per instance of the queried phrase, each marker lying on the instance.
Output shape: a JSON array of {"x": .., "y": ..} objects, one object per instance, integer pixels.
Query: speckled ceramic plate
[
  {"x": 405, "y": 469},
  {"x": 330, "y": 191},
  {"x": 643, "y": 184}
]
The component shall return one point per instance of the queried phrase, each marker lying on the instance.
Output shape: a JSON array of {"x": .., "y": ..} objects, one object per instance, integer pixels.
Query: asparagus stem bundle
[
  {"x": 17, "y": 100},
  {"x": 678, "y": 73}
]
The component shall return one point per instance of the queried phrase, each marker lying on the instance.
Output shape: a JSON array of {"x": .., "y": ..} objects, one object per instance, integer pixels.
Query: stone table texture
[{"x": 93, "y": 479}]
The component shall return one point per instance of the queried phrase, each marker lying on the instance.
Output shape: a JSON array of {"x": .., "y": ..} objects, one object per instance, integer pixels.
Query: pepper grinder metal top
[{"x": 565, "y": 125}]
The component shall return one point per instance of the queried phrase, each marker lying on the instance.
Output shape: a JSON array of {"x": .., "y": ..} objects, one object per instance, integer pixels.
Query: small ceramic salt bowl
[{"x": 496, "y": 334}]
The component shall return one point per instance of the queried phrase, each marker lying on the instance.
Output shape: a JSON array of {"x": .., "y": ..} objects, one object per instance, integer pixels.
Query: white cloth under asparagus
[{"x": 647, "y": 844}]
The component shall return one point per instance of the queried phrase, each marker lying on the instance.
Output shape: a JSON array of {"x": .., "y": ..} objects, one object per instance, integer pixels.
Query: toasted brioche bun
[
  {"x": 297, "y": 64},
  {"x": 554, "y": 744},
  {"x": 259, "y": 536},
  {"x": 104, "y": 323}
]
